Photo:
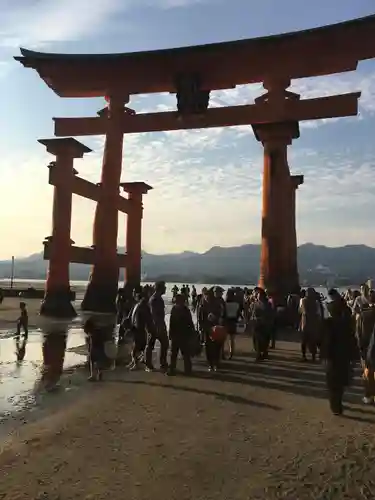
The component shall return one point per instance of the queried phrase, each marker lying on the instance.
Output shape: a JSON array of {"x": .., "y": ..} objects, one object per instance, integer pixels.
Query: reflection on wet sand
[
  {"x": 54, "y": 347},
  {"x": 21, "y": 342},
  {"x": 29, "y": 366}
]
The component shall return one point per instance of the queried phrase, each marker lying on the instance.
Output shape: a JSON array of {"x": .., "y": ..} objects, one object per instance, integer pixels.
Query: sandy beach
[
  {"x": 250, "y": 432},
  {"x": 253, "y": 431}
]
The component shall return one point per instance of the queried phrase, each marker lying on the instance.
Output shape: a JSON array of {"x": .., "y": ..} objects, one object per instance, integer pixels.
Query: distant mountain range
[{"x": 318, "y": 264}]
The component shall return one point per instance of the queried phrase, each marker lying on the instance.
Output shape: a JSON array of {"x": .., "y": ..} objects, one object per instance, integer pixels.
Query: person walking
[
  {"x": 181, "y": 333},
  {"x": 339, "y": 349},
  {"x": 159, "y": 332}
]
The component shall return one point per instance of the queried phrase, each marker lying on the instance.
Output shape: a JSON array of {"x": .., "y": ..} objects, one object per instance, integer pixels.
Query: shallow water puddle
[{"x": 18, "y": 381}]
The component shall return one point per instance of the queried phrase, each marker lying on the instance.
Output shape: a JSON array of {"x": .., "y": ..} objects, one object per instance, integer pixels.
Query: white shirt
[{"x": 359, "y": 304}]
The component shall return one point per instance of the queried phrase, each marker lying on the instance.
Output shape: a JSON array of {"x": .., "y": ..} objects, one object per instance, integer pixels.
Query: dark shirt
[
  {"x": 24, "y": 318},
  {"x": 339, "y": 345},
  {"x": 262, "y": 312},
  {"x": 180, "y": 323},
  {"x": 158, "y": 311}
]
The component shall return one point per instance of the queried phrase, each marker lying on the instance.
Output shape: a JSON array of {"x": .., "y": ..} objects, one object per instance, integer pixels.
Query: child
[
  {"x": 23, "y": 321},
  {"x": 97, "y": 355}
]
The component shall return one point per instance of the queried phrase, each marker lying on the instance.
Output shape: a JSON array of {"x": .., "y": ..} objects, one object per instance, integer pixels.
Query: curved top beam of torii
[{"x": 315, "y": 52}]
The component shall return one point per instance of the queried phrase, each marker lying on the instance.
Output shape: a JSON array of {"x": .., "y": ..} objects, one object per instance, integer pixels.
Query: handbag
[{"x": 218, "y": 333}]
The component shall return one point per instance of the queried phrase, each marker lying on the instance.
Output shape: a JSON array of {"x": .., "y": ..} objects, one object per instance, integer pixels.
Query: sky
[{"x": 207, "y": 183}]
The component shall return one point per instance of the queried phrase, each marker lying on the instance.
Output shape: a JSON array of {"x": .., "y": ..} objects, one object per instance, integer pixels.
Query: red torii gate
[{"x": 191, "y": 73}]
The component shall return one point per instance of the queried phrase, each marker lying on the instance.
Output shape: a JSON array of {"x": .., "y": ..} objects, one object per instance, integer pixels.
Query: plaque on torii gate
[{"x": 192, "y": 73}]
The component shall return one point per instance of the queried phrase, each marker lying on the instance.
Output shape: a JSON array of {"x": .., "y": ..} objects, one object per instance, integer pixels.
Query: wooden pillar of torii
[
  {"x": 135, "y": 191},
  {"x": 291, "y": 252},
  {"x": 57, "y": 299},
  {"x": 102, "y": 289},
  {"x": 277, "y": 247}
]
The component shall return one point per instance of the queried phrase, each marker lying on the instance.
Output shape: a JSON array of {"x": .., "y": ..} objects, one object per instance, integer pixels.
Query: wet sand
[
  {"x": 19, "y": 381},
  {"x": 252, "y": 431}
]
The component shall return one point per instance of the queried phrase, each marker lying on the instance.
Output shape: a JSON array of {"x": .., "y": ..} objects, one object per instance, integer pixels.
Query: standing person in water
[
  {"x": 181, "y": 332},
  {"x": 22, "y": 324},
  {"x": 194, "y": 298},
  {"x": 174, "y": 291},
  {"x": 232, "y": 314},
  {"x": 96, "y": 348},
  {"x": 23, "y": 321},
  {"x": 157, "y": 307}
]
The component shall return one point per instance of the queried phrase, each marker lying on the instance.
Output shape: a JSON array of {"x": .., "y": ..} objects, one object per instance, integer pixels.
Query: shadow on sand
[
  {"x": 283, "y": 372},
  {"x": 230, "y": 398}
]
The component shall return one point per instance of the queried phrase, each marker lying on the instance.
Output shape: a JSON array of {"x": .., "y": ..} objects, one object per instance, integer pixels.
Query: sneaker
[
  {"x": 133, "y": 367},
  {"x": 149, "y": 369},
  {"x": 367, "y": 401}
]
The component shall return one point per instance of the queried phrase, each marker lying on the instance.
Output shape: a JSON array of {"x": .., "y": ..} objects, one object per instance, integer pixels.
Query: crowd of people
[{"x": 338, "y": 330}]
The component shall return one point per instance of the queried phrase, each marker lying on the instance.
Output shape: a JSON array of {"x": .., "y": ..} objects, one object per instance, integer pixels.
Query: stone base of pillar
[
  {"x": 57, "y": 304},
  {"x": 104, "y": 325},
  {"x": 100, "y": 298},
  {"x": 100, "y": 319}
]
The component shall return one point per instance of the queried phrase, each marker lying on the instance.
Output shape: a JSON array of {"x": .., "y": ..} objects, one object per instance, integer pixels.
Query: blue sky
[{"x": 207, "y": 184}]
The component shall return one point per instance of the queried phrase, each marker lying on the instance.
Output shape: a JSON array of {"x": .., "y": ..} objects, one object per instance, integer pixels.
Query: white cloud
[
  {"x": 60, "y": 20},
  {"x": 35, "y": 23},
  {"x": 203, "y": 195},
  {"x": 207, "y": 183}
]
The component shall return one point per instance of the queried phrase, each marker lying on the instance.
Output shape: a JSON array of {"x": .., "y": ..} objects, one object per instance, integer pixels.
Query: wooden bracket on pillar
[
  {"x": 297, "y": 180},
  {"x": 135, "y": 187},
  {"x": 65, "y": 145},
  {"x": 270, "y": 132}
]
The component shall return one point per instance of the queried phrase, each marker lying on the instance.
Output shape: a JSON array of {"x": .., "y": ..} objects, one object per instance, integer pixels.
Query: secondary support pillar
[
  {"x": 274, "y": 264},
  {"x": 101, "y": 292},
  {"x": 295, "y": 181},
  {"x": 135, "y": 191},
  {"x": 57, "y": 299}
]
